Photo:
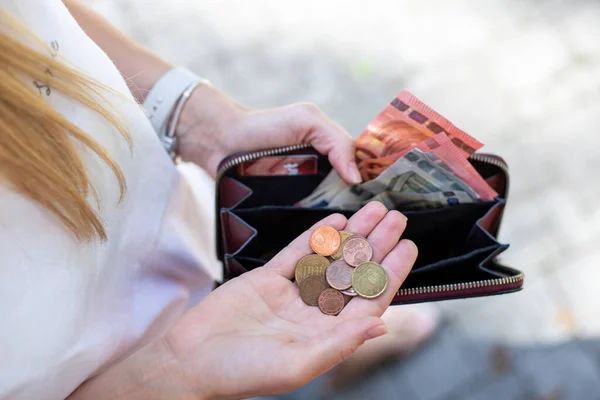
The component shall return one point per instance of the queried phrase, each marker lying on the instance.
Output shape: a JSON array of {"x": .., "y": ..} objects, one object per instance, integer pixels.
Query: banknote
[
  {"x": 414, "y": 173},
  {"x": 325, "y": 191},
  {"x": 442, "y": 151},
  {"x": 420, "y": 201},
  {"x": 403, "y": 124},
  {"x": 417, "y": 161}
]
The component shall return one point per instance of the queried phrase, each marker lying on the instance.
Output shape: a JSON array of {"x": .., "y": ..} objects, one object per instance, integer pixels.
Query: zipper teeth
[
  {"x": 461, "y": 286},
  {"x": 493, "y": 161},
  {"x": 259, "y": 154},
  {"x": 490, "y": 160},
  {"x": 265, "y": 153}
]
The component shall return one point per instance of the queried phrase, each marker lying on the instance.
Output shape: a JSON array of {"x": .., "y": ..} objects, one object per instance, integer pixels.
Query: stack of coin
[{"x": 330, "y": 283}]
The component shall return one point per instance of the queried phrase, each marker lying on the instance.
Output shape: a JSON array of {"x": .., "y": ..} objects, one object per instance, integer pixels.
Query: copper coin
[
  {"x": 356, "y": 251},
  {"x": 325, "y": 240},
  {"x": 344, "y": 235},
  {"x": 339, "y": 275},
  {"x": 311, "y": 288},
  {"x": 331, "y": 302},
  {"x": 312, "y": 264}
]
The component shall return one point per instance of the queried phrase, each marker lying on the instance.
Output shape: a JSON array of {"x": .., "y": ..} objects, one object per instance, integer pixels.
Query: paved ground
[{"x": 522, "y": 76}]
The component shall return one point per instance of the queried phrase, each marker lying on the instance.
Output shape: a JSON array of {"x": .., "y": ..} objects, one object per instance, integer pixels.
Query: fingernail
[
  {"x": 354, "y": 174},
  {"x": 376, "y": 331}
]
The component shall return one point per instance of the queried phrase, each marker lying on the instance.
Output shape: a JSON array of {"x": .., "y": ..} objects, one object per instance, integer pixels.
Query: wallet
[{"x": 458, "y": 249}]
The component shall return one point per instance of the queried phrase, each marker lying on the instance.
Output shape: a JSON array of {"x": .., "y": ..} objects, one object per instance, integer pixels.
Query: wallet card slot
[
  {"x": 233, "y": 266},
  {"x": 249, "y": 263},
  {"x": 439, "y": 233},
  {"x": 277, "y": 227},
  {"x": 486, "y": 228},
  {"x": 460, "y": 269},
  {"x": 279, "y": 190},
  {"x": 443, "y": 233},
  {"x": 232, "y": 192},
  {"x": 236, "y": 232}
]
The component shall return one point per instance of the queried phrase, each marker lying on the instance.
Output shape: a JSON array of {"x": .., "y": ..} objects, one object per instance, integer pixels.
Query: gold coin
[
  {"x": 344, "y": 235},
  {"x": 312, "y": 264},
  {"x": 369, "y": 280},
  {"x": 311, "y": 288}
]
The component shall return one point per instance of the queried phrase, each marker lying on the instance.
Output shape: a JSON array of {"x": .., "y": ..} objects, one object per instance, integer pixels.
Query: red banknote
[
  {"x": 280, "y": 165},
  {"x": 403, "y": 124},
  {"x": 442, "y": 147}
]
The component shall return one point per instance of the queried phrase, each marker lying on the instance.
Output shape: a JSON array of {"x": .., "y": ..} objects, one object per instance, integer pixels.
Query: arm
[
  {"x": 139, "y": 66},
  {"x": 212, "y": 125},
  {"x": 151, "y": 373}
]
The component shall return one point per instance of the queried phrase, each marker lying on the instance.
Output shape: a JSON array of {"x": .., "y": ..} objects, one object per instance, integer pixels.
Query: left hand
[{"x": 212, "y": 126}]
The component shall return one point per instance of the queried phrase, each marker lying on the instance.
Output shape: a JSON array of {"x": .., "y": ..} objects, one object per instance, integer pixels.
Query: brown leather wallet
[{"x": 458, "y": 249}]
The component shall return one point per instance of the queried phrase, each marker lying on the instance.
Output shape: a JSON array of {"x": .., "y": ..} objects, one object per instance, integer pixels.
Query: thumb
[{"x": 330, "y": 348}]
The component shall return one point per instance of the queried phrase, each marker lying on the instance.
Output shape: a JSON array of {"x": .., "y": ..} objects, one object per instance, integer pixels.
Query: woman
[{"x": 105, "y": 243}]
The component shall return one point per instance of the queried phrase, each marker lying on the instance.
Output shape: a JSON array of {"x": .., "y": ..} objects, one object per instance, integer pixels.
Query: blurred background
[{"x": 521, "y": 76}]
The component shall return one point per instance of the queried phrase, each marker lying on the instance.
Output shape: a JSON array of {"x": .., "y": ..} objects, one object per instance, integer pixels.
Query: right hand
[{"x": 254, "y": 335}]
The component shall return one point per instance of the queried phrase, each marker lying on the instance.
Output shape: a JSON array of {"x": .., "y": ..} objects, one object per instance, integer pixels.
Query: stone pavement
[
  {"x": 453, "y": 367},
  {"x": 521, "y": 76}
]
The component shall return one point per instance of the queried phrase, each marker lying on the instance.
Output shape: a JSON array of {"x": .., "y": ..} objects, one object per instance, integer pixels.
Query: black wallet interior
[{"x": 257, "y": 219}]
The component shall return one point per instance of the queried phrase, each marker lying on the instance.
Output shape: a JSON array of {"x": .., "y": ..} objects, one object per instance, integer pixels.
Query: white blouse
[{"x": 68, "y": 310}]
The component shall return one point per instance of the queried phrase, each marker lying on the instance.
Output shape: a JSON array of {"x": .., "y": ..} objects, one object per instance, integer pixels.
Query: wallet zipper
[
  {"x": 458, "y": 287},
  {"x": 253, "y": 155},
  {"x": 493, "y": 160}
]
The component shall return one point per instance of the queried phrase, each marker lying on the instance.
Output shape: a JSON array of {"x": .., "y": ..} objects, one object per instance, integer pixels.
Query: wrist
[{"x": 203, "y": 126}]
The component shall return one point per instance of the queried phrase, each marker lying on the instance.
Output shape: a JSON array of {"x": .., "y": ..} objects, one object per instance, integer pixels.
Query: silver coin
[{"x": 349, "y": 292}]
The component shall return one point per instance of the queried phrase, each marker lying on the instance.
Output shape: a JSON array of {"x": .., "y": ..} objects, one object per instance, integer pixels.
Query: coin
[
  {"x": 331, "y": 302},
  {"x": 311, "y": 288},
  {"x": 325, "y": 240},
  {"x": 312, "y": 264},
  {"x": 369, "y": 280},
  {"x": 350, "y": 292},
  {"x": 339, "y": 275},
  {"x": 344, "y": 235},
  {"x": 357, "y": 250}
]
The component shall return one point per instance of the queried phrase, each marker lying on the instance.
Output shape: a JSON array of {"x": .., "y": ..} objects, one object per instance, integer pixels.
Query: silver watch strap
[{"x": 169, "y": 139}]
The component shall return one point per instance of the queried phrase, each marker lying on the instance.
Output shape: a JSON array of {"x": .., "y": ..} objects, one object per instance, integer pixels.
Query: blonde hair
[{"x": 38, "y": 153}]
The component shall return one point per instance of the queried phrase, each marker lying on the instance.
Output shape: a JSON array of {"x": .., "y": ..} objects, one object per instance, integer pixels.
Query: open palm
[{"x": 254, "y": 335}]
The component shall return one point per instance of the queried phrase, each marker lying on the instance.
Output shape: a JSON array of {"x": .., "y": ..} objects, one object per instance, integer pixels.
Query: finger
[
  {"x": 329, "y": 138},
  {"x": 397, "y": 264},
  {"x": 366, "y": 219},
  {"x": 332, "y": 140},
  {"x": 284, "y": 263},
  {"x": 322, "y": 352},
  {"x": 386, "y": 234}
]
